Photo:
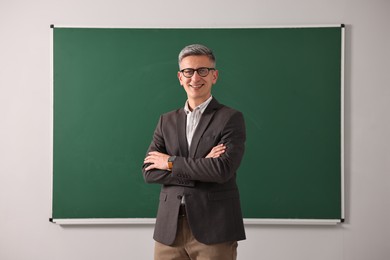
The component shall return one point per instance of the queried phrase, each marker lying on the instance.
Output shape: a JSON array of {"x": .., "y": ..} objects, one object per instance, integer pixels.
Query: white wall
[{"x": 25, "y": 123}]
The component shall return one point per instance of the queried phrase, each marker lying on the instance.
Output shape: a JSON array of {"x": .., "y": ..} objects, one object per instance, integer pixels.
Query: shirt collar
[{"x": 202, "y": 107}]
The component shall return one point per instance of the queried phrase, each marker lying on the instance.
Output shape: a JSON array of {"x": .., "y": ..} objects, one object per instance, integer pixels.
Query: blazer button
[{"x": 179, "y": 197}]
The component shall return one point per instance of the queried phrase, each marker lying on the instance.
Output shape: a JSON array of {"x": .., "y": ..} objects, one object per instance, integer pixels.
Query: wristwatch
[{"x": 171, "y": 159}]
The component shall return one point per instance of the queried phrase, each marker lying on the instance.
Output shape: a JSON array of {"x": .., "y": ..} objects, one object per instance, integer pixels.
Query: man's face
[{"x": 198, "y": 88}]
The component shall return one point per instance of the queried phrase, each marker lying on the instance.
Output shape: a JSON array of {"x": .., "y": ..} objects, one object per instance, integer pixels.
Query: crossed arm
[
  {"x": 159, "y": 160},
  {"x": 219, "y": 165}
]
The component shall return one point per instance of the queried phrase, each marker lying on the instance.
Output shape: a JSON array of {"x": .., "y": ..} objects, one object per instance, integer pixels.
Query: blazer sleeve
[
  {"x": 220, "y": 169},
  {"x": 157, "y": 175}
]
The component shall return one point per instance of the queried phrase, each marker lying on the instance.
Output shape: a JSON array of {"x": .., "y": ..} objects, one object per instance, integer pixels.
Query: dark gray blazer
[{"x": 209, "y": 184}]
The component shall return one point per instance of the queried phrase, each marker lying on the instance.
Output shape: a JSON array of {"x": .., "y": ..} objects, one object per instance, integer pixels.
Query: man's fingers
[
  {"x": 157, "y": 160},
  {"x": 216, "y": 151},
  {"x": 218, "y": 148},
  {"x": 148, "y": 159},
  {"x": 149, "y": 167},
  {"x": 151, "y": 157}
]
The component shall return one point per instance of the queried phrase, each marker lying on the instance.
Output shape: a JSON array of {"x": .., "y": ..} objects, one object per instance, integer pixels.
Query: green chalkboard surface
[{"x": 111, "y": 85}]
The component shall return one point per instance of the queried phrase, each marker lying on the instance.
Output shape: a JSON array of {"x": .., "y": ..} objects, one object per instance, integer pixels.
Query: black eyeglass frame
[{"x": 197, "y": 71}]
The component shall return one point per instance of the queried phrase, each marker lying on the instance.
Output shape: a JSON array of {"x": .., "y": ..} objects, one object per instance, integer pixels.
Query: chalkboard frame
[{"x": 98, "y": 220}]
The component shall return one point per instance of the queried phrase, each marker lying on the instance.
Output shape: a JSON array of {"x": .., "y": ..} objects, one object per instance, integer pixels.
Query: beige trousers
[{"x": 186, "y": 247}]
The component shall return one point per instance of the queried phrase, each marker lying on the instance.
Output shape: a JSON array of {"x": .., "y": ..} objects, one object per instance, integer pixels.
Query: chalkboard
[{"x": 111, "y": 85}]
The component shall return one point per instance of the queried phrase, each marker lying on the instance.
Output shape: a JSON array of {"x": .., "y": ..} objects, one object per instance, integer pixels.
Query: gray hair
[{"x": 196, "y": 50}]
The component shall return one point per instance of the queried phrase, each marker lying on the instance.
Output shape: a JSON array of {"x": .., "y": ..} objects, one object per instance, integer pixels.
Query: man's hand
[
  {"x": 157, "y": 160},
  {"x": 216, "y": 151}
]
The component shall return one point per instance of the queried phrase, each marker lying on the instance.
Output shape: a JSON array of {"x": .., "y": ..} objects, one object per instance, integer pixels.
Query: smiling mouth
[{"x": 197, "y": 86}]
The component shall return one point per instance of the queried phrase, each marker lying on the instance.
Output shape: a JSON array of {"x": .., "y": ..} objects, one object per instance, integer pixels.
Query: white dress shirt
[{"x": 193, "y": 118}]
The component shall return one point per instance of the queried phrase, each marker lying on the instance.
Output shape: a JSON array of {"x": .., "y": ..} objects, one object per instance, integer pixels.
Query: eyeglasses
[{"x": 203, "y": 72}]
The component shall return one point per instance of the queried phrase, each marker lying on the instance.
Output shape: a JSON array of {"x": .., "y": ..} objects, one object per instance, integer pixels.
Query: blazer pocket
[{"x": 222, "y": 195}]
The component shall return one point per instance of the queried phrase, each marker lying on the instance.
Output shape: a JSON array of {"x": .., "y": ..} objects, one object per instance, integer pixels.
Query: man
[{"x": 194, "y": 154}]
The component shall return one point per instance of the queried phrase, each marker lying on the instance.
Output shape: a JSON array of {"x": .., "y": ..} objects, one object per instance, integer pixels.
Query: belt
[{"x": 182, "y": 210}]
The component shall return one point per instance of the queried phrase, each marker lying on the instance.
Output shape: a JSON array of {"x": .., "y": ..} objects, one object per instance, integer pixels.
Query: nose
[{"x": 196, "y": 76}]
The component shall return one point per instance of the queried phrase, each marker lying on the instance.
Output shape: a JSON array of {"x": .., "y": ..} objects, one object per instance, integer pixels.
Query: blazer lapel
[
  {"x": 181, "y": 132},
  {"x": 203, "y": 124}
]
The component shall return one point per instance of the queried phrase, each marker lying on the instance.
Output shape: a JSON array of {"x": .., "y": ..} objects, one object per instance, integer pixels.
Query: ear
[
  {"x": 179, "y": 76},
  {"x": 215, "y": 76}
]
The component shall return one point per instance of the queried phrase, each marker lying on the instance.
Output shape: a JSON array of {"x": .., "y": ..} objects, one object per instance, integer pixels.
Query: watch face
[{"x": 171, "y": 159}]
